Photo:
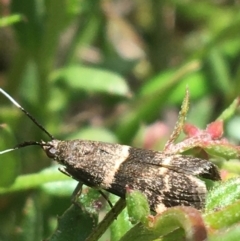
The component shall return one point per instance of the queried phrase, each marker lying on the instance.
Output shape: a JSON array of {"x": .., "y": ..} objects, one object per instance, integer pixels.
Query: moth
[{"x": 167, "y": 180}]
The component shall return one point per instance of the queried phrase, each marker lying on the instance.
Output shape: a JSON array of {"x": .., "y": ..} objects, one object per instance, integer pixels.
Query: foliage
[{"x": 116, "y": 71}]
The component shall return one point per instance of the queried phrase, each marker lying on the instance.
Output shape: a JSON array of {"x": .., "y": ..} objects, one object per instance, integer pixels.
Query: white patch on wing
[
  {"x": 167, "y": 161},
  {"x": 201, "y": 187},
  {"x": 162, "y": 171},
  {"x": 160, "y": 208},
  {"x": 120, "y": 157}
]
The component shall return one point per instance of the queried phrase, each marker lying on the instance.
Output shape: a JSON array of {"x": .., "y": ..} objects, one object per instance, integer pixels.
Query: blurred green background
[{"x": 113, "y": 71}]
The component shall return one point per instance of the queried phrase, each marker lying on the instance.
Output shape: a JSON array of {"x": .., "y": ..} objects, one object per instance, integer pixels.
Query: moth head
[{"x": 51, "y": 148}]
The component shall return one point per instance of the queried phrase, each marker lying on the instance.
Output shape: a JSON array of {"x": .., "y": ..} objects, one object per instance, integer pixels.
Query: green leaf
[
  {"x": 31, "y": 223},
  {"x": 229, "y": 234},
  {"x": 167, "y": 222},
  {"x": 91, "y": 80},
  {"x": 223, "y": 194},
  {"x": 10, "y": 161},
  {"x": 151, "y": 100},
  {"x": 224, "y": 217},
  {"x": 80, "y": 218},
  {"x": 219, "y": 69},
  {"x": 75, "y": 224},
  {"x": 57, "y": 188},
  {"x": 188, "y": 75},
  {"x": 6, "y": 21},
  {"x": 137, "y": 206},
  {"x": 230, "y": 110},
  {"x": 29, "y": 32},
  {"x": 225, "y": 150},
  {"x": 95, "y": 134},
  {"x": 26, "y": 182}
]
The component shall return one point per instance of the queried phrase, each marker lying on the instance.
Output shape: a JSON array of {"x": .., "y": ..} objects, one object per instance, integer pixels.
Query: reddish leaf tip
[
  {"x": 215, "y": 129},
  {"x": 190, "y": 130}
]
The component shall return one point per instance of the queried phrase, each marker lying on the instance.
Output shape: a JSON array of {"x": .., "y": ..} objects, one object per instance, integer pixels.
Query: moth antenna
[
  {"x": 24, "y": 144},
  {"x": 29, "y": 116},
  {"x": 8, "y": 150}
]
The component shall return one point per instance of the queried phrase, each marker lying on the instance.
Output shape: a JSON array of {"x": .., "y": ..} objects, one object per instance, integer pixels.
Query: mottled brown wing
[{"x": 163, "y": 187}]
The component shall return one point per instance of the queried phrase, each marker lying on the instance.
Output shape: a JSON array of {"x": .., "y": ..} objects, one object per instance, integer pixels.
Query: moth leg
[
  {"x": 106, "y": 198},
  {"x": 64, "y": 171},
  {"x": 76, "y": 193},
  {"x": 109, "y": 202},
  {"x": 78, "y": 189}
]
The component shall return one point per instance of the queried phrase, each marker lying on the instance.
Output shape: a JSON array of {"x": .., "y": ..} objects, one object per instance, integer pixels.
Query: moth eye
[{"x": 51, "y": 152}]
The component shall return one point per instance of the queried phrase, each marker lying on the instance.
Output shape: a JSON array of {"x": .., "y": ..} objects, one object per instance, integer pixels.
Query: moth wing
[
  {"x": 179, "y": 163},
  {"x": 163, "y": 187}
]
